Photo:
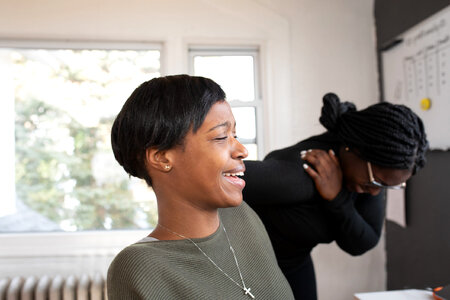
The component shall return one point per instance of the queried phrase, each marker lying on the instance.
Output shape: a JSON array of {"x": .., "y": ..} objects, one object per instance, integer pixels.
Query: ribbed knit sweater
[{"x": 178, "y": 270}]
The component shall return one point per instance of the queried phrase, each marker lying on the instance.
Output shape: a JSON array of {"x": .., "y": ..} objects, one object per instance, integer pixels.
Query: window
[
  {"x": 60, "y": 101},
  {"x": 237, "y": 72}
]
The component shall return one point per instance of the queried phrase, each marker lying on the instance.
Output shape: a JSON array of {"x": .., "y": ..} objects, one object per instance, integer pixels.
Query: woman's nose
[
  {"x": 239, "y": 150},
  {"x": 374, "y": 191}
]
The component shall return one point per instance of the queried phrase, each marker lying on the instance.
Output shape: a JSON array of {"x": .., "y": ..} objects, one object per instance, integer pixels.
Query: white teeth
[{"x": 234, "y": 174}]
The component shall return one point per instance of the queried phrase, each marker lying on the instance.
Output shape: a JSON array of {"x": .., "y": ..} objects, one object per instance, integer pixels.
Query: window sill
[{"x": 101, "y": 243}]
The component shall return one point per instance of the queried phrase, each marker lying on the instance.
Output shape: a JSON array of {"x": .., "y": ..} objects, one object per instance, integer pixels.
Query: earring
[{"x": 167, "y": 167}]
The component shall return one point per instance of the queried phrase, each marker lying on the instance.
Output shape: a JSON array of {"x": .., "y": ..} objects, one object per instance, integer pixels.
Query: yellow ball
[{"x": 425, "y": 103}]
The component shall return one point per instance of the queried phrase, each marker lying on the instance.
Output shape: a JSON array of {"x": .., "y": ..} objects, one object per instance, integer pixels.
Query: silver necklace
[{"x": 243, "y": 286}]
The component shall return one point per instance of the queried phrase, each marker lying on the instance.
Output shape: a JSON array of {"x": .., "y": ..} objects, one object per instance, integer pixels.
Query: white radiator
[{"x": 56, "y": 288}]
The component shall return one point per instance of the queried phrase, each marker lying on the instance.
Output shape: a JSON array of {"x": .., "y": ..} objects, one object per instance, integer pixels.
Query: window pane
[
  {"x": 252, "y": 151},
  {"x": 66, "y": 177},
  {"x": 235, "y": 74},
  {"x": 245, "y": 122}
]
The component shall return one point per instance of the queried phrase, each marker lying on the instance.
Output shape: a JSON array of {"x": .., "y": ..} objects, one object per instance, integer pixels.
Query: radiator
[{"x": 53, "y": 288}]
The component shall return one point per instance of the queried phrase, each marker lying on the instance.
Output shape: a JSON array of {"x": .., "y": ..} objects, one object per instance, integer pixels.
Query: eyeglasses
[{"x": 377, "y": 184}]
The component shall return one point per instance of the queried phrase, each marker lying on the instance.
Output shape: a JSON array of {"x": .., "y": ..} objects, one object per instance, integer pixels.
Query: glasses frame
[{"x": 373, "y": 182}]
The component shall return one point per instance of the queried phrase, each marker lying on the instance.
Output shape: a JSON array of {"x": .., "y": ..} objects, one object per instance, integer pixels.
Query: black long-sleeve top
[{"x": 297, "y": 218}]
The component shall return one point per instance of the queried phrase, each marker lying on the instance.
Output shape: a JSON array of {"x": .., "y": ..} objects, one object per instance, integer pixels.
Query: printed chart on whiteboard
[{"x": 416, "y": 73}]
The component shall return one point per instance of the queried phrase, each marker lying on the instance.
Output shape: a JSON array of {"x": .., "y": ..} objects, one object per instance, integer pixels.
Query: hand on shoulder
[{"x": 325, "y": 170}]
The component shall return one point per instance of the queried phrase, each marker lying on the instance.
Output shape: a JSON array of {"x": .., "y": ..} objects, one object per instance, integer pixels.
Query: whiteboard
[{"x": 418, "y": 67}]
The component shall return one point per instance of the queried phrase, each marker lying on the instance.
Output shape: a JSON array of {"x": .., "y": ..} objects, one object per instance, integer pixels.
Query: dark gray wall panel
[{"x": 417, "y": 256}]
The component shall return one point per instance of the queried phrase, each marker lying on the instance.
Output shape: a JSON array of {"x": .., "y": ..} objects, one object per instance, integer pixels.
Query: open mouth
[
  {"x": 234, "y": 174},
  {"x": 235, "y": 179}
]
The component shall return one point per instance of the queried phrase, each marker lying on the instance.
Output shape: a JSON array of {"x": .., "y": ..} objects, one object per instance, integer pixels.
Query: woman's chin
[{"x": 234, "y": 200}]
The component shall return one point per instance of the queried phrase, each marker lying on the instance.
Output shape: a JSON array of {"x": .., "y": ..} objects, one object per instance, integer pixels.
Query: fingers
[
  {"x": 333, "y": 157},
  {"x": 310, "y": 171},
  {"x": 320, "y": 160},
  {"x": 324, "y": 169}
]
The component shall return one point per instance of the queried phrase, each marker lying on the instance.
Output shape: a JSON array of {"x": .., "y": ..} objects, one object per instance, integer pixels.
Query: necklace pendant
[{"x": 247, "y": 292}]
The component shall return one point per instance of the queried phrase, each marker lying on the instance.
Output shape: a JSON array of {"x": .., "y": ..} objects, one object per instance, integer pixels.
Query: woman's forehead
[{"x": 219, "y": 116}]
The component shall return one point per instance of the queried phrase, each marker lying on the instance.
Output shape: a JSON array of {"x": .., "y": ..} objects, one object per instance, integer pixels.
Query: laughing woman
[{"x": 178, "y": 134}]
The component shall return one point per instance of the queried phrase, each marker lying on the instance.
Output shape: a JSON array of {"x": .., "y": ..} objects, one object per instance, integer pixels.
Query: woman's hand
[{"x": 325, "y": 171}]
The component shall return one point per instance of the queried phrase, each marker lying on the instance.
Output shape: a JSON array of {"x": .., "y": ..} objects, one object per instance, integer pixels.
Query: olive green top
[{"x": 178, "y": 270}]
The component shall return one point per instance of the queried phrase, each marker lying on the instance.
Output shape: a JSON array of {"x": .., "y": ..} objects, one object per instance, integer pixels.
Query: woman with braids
[{"x": 336, "y": 195}]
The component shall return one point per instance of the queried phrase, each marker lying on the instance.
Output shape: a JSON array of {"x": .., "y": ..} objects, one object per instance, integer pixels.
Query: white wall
[
  {"x": 308, "y": 48},
  {"x": 332, "y": 45}
]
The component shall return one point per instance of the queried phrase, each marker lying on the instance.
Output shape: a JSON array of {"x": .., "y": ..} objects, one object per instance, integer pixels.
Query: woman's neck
[{"x": 186, "y": 219}]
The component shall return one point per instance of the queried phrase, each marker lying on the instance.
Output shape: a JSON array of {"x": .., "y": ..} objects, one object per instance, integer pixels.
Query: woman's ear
[{"x": 159, "y": 159}]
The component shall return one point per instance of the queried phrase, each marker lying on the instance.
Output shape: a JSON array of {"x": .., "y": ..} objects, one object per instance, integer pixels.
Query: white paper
[
  {"x": 395, "y": 206},
  {"x": 396, "y": 295}
]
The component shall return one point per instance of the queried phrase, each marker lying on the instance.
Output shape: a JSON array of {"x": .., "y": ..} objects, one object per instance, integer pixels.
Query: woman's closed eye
[{"x": 221, "y": 138}]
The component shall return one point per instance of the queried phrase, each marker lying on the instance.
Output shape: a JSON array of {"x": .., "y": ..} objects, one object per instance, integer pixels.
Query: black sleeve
[
  {"x": 277, "y": 182},
  {"x": 359, "y": 220}
]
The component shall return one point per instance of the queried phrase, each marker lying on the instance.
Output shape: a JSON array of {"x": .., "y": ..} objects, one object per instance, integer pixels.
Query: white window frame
[
  {"x": 27, "y": 247},
  {"x": 258, "y": 103}
]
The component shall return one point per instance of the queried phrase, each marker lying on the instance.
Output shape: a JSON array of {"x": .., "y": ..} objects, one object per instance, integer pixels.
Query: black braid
[{"x": 386, "y": 134}]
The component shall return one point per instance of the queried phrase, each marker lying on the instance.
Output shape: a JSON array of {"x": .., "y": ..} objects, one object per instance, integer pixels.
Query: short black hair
[
  {"x": 386, "y": 134},
  {"x": 159, "y": 113}
]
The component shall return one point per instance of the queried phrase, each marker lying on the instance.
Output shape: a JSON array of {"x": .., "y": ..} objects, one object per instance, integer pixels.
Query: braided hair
[{"x": 386, "y": 134}]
